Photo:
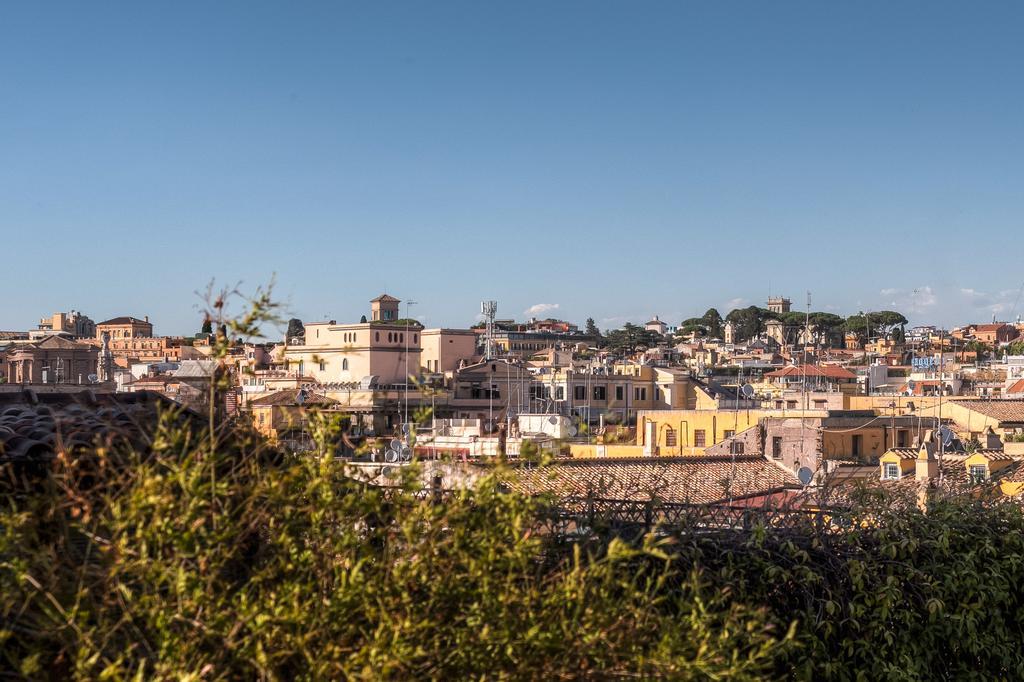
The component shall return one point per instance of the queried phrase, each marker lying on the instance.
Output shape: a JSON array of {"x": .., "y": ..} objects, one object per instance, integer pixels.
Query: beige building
[
  {"x": 74, "y": 324},
  {"x": 54, "y": 360},
  {"x": 125, "y": 327},
  {"x": 341, "y": 353},
  {"x": 444, "y": 349}
]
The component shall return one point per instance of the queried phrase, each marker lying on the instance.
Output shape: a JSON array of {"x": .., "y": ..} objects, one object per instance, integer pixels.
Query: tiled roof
[
  {"x": 1002, "y": 410},
  {"x": 36, "y": 427},
  {"x": 57, "y": 341},
  {"x": 696, "y": 480},
  {"x": 827, "y": 371},
  {"x": 903, "y": 453},
  {"x": 1016, "y": 387},
  {"x": 291, "y": 397},
  {"x": 385, "y": 298},
  {"x": 125, "y": 319}
]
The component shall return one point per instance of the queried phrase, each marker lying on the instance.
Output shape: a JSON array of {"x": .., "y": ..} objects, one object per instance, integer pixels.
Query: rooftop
[
  {"x": 697, "y": 480},
  {"x": 125, "y": 319},
  {"x": 1001, "y": 410}
]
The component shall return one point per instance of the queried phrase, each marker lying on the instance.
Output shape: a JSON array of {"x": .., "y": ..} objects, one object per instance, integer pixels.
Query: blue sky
[{"x": 616, "y": 160}]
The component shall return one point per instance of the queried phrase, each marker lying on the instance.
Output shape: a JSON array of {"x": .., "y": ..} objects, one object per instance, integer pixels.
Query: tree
[
  {"x": 827, "y": 328},
  {"x": 591, "y": 329},
  {"x": 362, "y": 319},
  {"x": 1015, "y": 348},
  {"x": 207, "y": 327},
  {"x": 875, "y": 324},
  {"x": 693, "y": 325},
  {"x": 748, "y": 322},
  {"x": 631, "y": 338},
  {"x": 712, "y": 320},
  {"x": 295, "y": 328},
  {"x": 887, "y": 321}
]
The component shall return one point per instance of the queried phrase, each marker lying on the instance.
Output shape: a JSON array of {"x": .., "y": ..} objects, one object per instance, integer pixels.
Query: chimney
[
  {"x": 147, "y": 318},
  {"x": 992, "y": 441},
  {"x": 926, "y": 467}
]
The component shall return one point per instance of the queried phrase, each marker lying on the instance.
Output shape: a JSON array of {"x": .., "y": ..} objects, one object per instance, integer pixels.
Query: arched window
[
  {"x": 344, "y": 365},
  {"x": 414, "y": 338},
  {"x": 378, "y": 336}
]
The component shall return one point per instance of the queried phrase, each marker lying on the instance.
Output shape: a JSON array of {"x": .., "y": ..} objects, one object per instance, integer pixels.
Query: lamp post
[{"x": 408, "y": 306}]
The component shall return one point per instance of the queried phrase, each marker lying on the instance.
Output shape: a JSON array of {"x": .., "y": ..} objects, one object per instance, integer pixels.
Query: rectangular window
[
  {"x": 892, "y": 471},
  {"x": 639, "y": 394},
  {"x": 620, "y": 393},
  {"x": 579, "y": 392},
  {"x": 600, "y": 393},
  {"x": 736, "y": 448},
  {"x": 729, "y": 433},
  {"x": 777, "y": 447},
  {"x": 670, "y": 437},
  {"x": 699, "y": 439},
  {"x": 902, "y": 438},
  {"x": 979, "y": 473},
  {"x": 857, "y": 445}
]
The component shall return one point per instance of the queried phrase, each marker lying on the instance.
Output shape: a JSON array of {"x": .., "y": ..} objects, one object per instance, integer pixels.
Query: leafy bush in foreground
[
  {"x": 218, "y": 559},
  {"x": 242, "y": 565}
]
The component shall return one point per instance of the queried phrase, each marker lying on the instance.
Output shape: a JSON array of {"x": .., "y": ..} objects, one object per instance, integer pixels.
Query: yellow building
[{"x": 284, "y": 415}]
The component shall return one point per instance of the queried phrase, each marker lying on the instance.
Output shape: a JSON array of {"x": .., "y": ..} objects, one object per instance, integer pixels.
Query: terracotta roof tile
[
  {"x": 692, "y": 479},
  {"x": 1002, "y": 410}
]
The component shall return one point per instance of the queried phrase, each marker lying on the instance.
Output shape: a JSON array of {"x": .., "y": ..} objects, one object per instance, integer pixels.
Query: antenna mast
[{"x": 489, "y": 309}]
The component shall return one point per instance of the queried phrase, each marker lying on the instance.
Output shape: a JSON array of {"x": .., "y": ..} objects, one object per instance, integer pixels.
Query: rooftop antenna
[
  {"x": 1013, "y": 311},
  {"x": 489, "y": 309}
]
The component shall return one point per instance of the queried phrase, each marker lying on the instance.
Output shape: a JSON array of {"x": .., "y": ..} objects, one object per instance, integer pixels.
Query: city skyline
[{"x": 613, "y": 163}]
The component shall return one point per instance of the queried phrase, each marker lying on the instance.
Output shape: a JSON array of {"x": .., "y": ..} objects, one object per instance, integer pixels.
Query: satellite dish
[
  {"x": 406, "y": 428},
  {"x": 553, "y": 420},
  {"x": 572, "y": 431},
  {"x": 946, "y": 435},
  {"x": 391, "y": 456},
  {"x": 93, "y": 379},
  {"x": 301, "y": 396},
  {"x": 405, "y": 454},
  {"x": 747, "y": 390},
  {"x": 805, "y": 475},
  {"x": 395, "y": 444}
]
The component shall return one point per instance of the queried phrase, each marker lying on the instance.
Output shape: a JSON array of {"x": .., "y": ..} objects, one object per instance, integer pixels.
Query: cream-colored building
[
  {"x": 340, "y": 353},
  {"x": 443, "y": 349}
]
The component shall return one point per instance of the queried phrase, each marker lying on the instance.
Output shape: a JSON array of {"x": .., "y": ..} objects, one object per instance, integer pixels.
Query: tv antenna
[{"x": 489, "y": 309}]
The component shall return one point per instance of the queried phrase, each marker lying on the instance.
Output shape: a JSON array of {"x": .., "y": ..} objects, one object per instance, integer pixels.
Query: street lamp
[{"x": 408, "y": 306}]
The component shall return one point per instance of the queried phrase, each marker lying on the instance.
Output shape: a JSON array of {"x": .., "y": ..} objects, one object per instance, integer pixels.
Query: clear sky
[{"x": 616, "y": 160}]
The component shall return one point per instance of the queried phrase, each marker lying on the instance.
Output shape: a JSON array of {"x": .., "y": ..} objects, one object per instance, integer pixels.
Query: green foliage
[
  {"x": 285, "y": 568},
  {"x": 122, "y": 565},
  {"x": 712, "y": 320},
  {"x": 1015, "y": 348},
  {"x": 590, "y": 328},
  {"x": 877, "y": 324},
  {"x": 295, "y": 329},
  {"x": 979, "y": 347},
  {"x": 630, "y": 338},
  {"x": 748, "y": 322}
]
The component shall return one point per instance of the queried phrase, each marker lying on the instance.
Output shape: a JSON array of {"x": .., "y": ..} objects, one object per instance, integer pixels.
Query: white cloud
[
  {"x": 910, "y": 301},
  {"x": 734, "y": 303},
  {"x": 540, "y": 309},
  {"x": 1001, "y": 304}
]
